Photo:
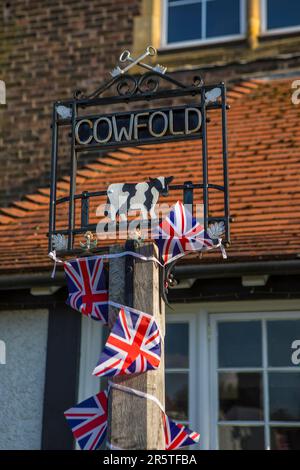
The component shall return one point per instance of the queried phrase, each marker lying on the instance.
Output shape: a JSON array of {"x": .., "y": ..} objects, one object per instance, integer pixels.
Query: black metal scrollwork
[
  {"x": 127, "y": 85},
  {"x": 149, "y": 82}
]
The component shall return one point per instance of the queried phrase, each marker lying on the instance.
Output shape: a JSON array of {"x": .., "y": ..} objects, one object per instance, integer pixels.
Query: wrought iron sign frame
[{"x": 130, "y": 89}]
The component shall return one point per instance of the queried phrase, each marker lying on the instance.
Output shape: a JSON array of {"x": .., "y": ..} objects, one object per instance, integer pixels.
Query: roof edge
[{"x": 183, "y": 271}]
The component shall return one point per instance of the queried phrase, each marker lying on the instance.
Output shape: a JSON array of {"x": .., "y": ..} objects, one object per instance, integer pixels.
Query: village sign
[{"x": 93, "y": 126}]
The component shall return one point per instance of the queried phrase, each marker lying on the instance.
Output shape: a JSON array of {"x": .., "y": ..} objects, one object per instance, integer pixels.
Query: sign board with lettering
[{"x": 138, "y": 127}]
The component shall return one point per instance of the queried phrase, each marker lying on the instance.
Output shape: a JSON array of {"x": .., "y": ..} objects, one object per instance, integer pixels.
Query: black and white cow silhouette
[{"x": 122, "y": 197}]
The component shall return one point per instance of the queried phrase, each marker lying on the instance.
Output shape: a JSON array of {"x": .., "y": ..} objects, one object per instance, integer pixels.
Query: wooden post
[{"x": 134, "y": 422}]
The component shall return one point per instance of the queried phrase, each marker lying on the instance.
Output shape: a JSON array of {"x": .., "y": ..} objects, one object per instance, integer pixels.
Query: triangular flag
[
  {"x": 178, "y": 435},
  {"x": 133, "y": 346},
  {"x": 87, "y": 287},
  {"x": 180, "y": 233},
  {"x": 88, "y": 421}
]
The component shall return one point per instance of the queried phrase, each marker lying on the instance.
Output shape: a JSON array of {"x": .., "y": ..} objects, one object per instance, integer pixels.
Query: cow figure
[{"x": 122, "y": 197}]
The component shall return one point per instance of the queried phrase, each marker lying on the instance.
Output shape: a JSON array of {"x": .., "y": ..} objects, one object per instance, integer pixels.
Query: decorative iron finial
[
  {"x": 216, "y": 230},
  {"x": 91, "y": 241},
  {"x": 126, "y": 57}
]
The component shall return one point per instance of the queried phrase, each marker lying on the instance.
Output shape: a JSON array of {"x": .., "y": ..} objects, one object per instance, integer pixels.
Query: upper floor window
[
  {"x": 280, "y": 16},
  {"x": 188, "y": 22}
]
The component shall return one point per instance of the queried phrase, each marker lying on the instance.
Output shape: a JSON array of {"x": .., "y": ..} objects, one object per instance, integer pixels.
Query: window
[
  {"x": 256, "y": 382},
  {"x": 280, "y": 16},
  {"x": 177, "y": 371},
  {"x": 235, "y": 378},
  {"x": 188, "y": 22}
]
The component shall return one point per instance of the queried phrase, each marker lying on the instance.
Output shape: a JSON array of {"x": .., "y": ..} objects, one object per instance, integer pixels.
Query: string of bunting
[
  {"x": 134, "y": 343},
  {"x": 88, "y": 422}
]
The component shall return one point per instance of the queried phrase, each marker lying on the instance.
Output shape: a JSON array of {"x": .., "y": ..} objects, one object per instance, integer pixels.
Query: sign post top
[{"x": 94, "y": 126}]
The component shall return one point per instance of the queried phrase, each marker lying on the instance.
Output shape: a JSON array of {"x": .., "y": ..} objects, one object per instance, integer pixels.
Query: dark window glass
[
  {"x": 283, "y": 13},
  {"x": 184, "y": 22},
  {"x": 177, "y": 345},
  {"x": 222, "y": 18},
  {"x": 177, "y": 395},
  {"x": 285, "y": 438},
  {"x": 284, "y": 393},
  {"x": 281, "y": 335},
  {"x": 241, "y": 438},
  {"x": 240, "y": 396},
  {"x": 239, "y": 344}
]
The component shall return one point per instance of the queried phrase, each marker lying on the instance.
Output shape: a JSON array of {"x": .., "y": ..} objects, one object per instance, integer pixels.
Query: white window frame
[
  {"x": 266, "y": 423},
  {"x": 204, "y": 41},
  {"x": 199, "y": 386},
  {"x": 202, "y": 318},
  {"x": 90, "y": 350},
  {"x": 190, "y": 319},
  {"x": 269, "y": 32}
]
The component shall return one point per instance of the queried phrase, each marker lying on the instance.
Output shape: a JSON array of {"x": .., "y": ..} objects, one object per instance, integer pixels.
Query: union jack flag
[
  {"x": 88, "y": 421},
  {"x": 178, "y": 435},
  {"x": 133, "y": 346},
  {"x": 87, "y": 290},
  {"x": 180, "y": 233}
]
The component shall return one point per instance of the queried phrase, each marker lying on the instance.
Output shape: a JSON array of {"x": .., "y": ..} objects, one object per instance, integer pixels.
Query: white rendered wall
[{"x": 22, "y": 378}]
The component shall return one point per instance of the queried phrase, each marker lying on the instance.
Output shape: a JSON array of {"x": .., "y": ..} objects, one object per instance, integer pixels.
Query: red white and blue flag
[
  {"x": 87, "y": 287},
  {"x": 178, "y": 435},
  {"x": 180, "y": 233},
  {"x": 88, "y": 421},
  {"x": 133, "y": 346}
]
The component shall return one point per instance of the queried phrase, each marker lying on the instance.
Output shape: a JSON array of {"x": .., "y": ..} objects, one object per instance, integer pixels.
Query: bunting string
[
  {"x": 57, "y": 260},
  {"x": 138, "y": 393}
]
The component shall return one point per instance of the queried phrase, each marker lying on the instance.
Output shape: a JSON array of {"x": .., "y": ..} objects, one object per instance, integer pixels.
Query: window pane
[
  {"x": 177, "y": 396},
  {"x": 281, "y": 335},
  {"x": 284, "y": 396},
  {"x": 184, "y": 22},
  {"x": 222, "y": 18},
  {"x": 283, "y": 14},
  {"x": 240, "y": 396},
  {"x": 241, "y": 438},
  {"x": 239, "y": 344},
  {"x": 177, "y": 345},
  {"x": 285, "y": 438}
]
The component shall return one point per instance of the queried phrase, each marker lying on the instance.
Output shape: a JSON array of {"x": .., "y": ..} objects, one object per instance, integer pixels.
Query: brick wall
[{"x": 48, "y": 48}]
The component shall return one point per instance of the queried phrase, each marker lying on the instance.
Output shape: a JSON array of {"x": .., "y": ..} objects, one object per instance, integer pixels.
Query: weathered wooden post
[{"x": 135, "y": 422}]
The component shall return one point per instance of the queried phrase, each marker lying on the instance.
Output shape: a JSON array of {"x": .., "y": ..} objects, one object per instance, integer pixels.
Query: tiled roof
[{"x": 264, "y": 170}]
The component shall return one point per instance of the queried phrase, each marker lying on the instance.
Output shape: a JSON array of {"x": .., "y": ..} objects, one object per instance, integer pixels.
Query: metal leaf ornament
[
  {"x": 216, "y": 230},
  {"x": 59, "y": 242},
  {"x": 64, "y": 112}
]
